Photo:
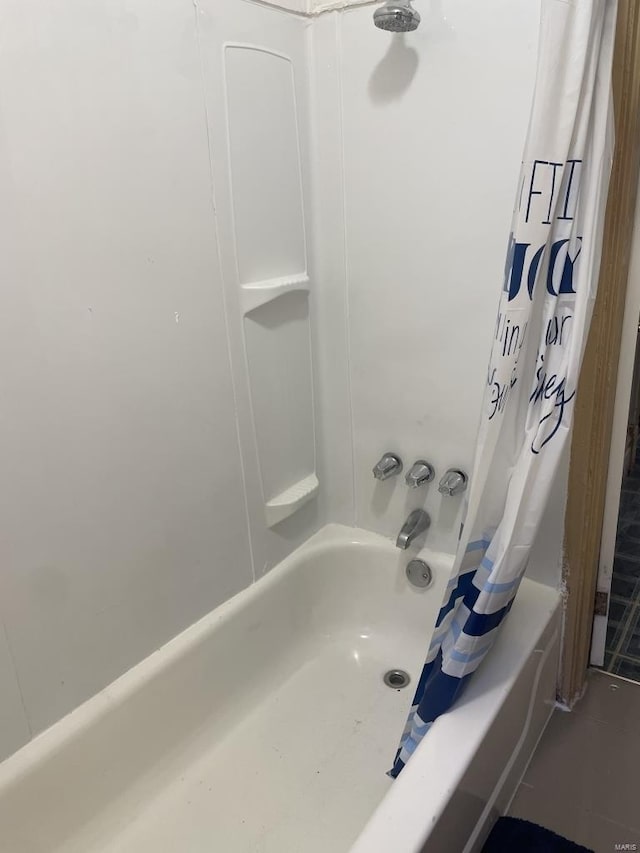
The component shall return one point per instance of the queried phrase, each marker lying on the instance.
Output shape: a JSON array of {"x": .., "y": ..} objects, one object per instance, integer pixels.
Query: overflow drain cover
[{"x": 396, "y": 678}]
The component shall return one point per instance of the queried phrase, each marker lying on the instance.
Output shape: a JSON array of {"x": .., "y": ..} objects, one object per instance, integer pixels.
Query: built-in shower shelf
[
  {"x": 260, "y": 292},
  {"x": 268, "y": 216},
  {"x": 287, "y": 502}
]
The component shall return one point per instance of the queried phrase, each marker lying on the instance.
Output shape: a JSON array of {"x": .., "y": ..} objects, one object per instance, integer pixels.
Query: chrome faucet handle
[
  {"x": 453, "y": 482},
  {"x": 387, "y": 466},
  {"x": 421, "y": 472}
]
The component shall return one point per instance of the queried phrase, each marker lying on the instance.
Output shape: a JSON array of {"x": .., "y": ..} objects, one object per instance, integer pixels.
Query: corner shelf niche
[
  {"x": 268, "y": 212},
  {"x": 278, "y": 349}
]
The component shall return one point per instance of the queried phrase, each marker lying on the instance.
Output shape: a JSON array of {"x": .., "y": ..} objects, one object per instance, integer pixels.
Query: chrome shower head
[{"x": 397, "y": 17}]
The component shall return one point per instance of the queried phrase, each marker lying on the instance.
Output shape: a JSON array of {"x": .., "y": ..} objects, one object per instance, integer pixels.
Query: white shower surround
[
  {"x": 266, "y": 726},
  {"x": 334, "y": 56},
  {"x": 91, "y": 586}
]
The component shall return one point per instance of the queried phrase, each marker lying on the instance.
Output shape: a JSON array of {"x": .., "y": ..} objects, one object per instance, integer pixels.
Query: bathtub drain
[{"x": 396, "y": 678}]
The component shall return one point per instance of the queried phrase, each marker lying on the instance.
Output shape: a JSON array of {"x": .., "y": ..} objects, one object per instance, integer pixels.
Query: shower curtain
[{"x": 549, "y": 287}]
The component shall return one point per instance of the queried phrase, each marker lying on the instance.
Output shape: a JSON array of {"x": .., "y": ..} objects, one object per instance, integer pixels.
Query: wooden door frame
[{"x": 597, "y": 387}]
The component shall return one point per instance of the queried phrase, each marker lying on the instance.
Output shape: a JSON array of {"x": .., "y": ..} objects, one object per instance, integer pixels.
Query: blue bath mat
[{"x": 511, "y": 834}]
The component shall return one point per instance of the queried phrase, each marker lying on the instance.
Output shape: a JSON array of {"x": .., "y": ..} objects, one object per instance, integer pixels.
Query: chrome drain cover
[
  {"x": 396, "y": 678},
  {"x": 419, "y": 573}
]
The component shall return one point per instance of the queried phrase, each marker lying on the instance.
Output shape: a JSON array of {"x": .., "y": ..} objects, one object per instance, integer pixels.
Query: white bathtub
[{"x": 266, "y": 726}]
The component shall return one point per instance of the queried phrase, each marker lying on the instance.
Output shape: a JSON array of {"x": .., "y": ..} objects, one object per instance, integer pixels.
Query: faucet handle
[
  {"x": 421, "y": 472},
  {"x": 453, "y": 482},
  {"x": 388, "y": 465}
]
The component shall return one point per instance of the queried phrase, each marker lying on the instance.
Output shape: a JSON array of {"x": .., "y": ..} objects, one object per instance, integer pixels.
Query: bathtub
[{"x": 266, "y": 726}]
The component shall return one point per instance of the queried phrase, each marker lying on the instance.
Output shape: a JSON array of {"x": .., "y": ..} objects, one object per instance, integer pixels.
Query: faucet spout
[{"x": 417, "y": 522}]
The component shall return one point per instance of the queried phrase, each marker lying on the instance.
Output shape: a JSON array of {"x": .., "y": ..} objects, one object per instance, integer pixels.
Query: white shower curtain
[{"x": 551, "y": 275}]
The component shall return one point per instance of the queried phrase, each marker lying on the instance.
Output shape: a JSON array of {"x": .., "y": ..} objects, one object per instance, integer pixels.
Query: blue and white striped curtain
[{"x": 545, "y": 308}]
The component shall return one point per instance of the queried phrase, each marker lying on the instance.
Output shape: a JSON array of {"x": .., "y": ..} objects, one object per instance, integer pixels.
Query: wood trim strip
[{"x": 597, "y": 387}]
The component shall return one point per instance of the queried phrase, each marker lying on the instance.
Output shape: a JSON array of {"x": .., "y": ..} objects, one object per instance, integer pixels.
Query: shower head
[{"x": 397, "y": 17}]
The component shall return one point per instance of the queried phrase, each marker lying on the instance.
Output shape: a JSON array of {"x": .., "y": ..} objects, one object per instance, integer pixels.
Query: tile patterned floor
[
  {"x": 622, "y": 655},
  {"x": 583, "y": 779}
]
